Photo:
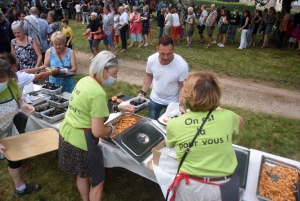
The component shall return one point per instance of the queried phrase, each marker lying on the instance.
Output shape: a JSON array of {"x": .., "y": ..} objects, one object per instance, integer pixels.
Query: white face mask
[{"x": 3, "y": 86}]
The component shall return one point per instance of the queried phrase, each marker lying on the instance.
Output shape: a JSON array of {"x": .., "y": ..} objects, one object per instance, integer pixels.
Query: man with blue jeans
[
  {"x": 108, "y": 28},
  {"x": 161, "y": 23},
  {"x": 166, "y": 71}
]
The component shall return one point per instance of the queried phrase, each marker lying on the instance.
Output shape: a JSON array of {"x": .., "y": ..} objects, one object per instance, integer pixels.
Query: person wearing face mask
[
  {"x": 84, "y": 125},
  {"x": 62, "y": 57},
  {"x": 10, "y": 103}
]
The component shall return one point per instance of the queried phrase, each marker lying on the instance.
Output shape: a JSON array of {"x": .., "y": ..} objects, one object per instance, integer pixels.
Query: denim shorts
[{"x": 108, "y": 40}]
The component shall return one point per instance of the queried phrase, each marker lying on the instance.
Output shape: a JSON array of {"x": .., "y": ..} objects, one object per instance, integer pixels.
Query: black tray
[
  {"x": 122, "y": 97},
  {"x": 68, "y": 74}
]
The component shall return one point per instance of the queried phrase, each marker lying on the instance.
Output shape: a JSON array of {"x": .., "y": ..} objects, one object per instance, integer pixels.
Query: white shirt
[
  {"x": 24, "y": 79},
  {"x": 124, "y": 18},
  {"x": 169, "y": 19},
  {"x": 202, "y": 16},
  {"x": 77, "y": 8},
  {"x": 175, "y": 19},
  {"x": 166, "y": 78}
]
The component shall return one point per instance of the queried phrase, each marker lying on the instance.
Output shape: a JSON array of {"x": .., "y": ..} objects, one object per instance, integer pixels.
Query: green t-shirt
[
  {"x": 15, "y": 90},
  {"x": 212, "y": 153},
  {"x": 88, "y": 100}
]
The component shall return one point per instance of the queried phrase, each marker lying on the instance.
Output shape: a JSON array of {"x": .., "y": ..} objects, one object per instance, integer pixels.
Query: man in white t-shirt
[
  {"x": 166, "y": 71},
  {"x": 202, "y": 20}
]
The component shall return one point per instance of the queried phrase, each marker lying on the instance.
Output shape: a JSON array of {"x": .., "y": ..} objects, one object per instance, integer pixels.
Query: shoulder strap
[{"x": 192, "y": 143}]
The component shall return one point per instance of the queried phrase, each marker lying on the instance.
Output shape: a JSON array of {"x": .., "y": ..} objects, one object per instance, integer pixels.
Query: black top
[
  {"x": 161, "y": 21},
  {"x": 94, "y": 25},
  {"x": 4, "y": 42},
  {"x": 85, "y": 8},
  {"x": 243, "y": 21},
  {"x": 237, "y": 19},
  {"x": 64, "y": 5}
]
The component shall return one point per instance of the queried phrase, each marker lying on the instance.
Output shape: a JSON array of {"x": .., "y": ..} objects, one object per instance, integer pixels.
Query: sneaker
[
  {"x": 30, "y": 189},
  {"x": 214, "y": 41},
  {"x": 146, "y": 44},
  {"x": 221, "y": 45}
]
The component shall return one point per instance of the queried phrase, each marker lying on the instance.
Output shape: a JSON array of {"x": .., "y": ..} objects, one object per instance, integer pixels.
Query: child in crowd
[{"x": 294, "y": 36}]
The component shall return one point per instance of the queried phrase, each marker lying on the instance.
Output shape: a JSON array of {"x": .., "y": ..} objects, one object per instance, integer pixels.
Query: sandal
[{"x": 26, "y": 166}]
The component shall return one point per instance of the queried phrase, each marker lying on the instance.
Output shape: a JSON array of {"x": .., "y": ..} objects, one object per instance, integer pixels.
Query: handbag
[
  {"x": 100, "y": 36},
  {"x": 188, "y": 150}
]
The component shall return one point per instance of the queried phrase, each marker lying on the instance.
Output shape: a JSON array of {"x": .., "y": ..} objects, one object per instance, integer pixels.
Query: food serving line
[{"x": 156, "y": 167}]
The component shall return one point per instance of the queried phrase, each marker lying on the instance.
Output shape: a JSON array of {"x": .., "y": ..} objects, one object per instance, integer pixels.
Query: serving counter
[{"x": 115, "y": 157}]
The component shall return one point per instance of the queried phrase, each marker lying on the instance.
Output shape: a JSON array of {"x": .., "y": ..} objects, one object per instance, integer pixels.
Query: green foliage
[{"x": 228, "y": 4}]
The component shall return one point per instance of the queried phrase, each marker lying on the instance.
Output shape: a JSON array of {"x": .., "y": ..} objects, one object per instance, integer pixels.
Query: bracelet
[
  {"x": 50, "y": 72},
  {"x": 112, "y": 129},
  {"x": 143, "y": 92},
  {"x": 115, "y": 108},
  {"x": 39, "y": 70}
]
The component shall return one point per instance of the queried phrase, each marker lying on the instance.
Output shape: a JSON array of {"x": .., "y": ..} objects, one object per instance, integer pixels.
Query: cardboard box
[
  {"x": 30, "y": 144},
  {"x": 157, "y": 153}
]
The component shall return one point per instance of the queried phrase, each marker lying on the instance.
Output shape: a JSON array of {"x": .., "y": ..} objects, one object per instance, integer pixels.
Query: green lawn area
[
  {"x": 278, "y": 67},
  {"x": 269, "y": 133}
]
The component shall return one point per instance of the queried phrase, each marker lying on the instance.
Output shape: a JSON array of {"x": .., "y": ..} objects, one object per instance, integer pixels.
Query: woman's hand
[
  {"x": 28, "y": 109},
  {"x": 2, "y": 148},
  {"x": 55, "y": 71},
  {"x": 126, "y": 108}
]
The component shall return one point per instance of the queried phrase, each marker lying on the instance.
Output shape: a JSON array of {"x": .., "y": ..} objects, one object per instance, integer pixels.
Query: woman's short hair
[
  {"x": 94, "y": 14},
  {"x": 6, "y": 70},
  {"x": 52, "y": 15},
  {"x": 134, "y": 7},
  {"x": 145, "y": 9},
  {"x": 103, "y": 60},
  {"x": 200, "y": 92},
  {"x": 17, "y": 25},
  {"x": 58, "y": 36},
  {"x": 126, "y": 7},
  {"x": 190, "y": 10}
]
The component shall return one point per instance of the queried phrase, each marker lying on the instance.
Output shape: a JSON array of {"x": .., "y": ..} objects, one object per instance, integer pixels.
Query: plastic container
[
  {"x": 56, "y": 104},
  {"x": 141, "y": 105},
  {"x": 39, "y": 114},
  {"x": 56, "y": 118},
  {"x": 51, "y": 92}
]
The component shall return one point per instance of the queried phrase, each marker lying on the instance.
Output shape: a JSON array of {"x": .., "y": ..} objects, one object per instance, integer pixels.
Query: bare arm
[
  {"x": 242, "y": 122},
  {"x": 204, "y": 20},
  {"x": 47, "y": 58},
  {"x": 146, "y": 83},
  {"x": 73, "y": 62},
  {"x": 98, "y": 128},
  {"x": 45, "y": 75},
  {"x": 70, "y": 40},
  {"x": 214, "y": 19},
  {"x": 33, "y": 70},
  {"x": 38, "y": 53}
]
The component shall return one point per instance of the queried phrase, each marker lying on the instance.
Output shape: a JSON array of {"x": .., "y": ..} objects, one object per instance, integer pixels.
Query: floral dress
[
  {"x": 67, "y": 83},
  {"x": 26, "y": 55},
  {"x": 146, "y": 23}
]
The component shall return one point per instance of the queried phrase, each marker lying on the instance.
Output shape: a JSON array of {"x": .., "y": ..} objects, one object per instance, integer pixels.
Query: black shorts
[{"x": 200, "y": 29}]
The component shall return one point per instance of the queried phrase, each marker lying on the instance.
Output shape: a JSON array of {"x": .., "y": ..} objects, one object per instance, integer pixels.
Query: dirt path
[{"x": 235, "y": 92}]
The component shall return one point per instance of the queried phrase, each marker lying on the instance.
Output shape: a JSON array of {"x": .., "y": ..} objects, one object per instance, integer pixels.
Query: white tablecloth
[{"x": 115, "y": 157}]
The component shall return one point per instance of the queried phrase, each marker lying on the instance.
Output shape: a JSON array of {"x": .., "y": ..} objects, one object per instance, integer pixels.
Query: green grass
[{"x": 279, "y": 67}]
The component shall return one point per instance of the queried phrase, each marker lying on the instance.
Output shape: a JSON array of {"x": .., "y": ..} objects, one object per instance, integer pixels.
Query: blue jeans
[
  {"x": 155, "y": 109},
  {"x": 91, "y": 45},
  {"x": 160, "y": 32},
  {"x": 249, "y": 35}
]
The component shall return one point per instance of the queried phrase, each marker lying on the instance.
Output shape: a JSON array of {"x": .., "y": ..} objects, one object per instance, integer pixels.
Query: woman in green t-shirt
[
  {"x": 211, "y": 162},
  {"x": 84, "y": 124},
  {"x": 10, "y": 103}
]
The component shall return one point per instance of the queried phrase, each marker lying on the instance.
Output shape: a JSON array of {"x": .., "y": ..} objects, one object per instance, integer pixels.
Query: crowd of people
[{"x": 32, "y": 44}]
